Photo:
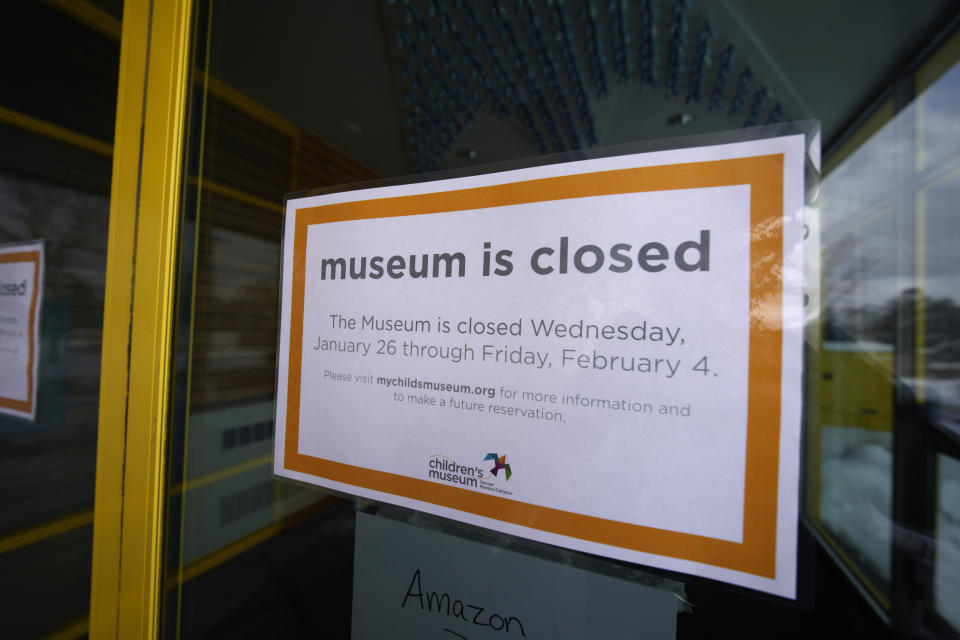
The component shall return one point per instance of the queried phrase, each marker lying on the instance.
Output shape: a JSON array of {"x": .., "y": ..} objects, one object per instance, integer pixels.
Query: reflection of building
[
  {"x": 261, "y": 123},
  {"x": 856, "y": 451},
  {"x": 229, "y": 489}
]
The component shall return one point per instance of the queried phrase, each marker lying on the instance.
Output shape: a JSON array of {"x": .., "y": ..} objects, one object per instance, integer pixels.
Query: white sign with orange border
[
  {"x": 21, "y": 296},
  {"x": 603, "y": 355}
]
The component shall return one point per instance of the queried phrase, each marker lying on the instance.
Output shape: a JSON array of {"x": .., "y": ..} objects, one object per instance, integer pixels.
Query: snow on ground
[{"x": 856, "y": 489}]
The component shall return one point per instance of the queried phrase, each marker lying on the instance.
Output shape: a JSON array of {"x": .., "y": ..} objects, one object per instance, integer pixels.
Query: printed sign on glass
[
  {"x": 603, "y": 355},
  {"x": 21, "y": 295}
]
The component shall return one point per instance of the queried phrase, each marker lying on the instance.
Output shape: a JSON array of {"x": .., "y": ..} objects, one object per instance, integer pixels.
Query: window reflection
[
  {"x": 891, "y": 338},
  {"x": 47, "y": 466},
  {"x": 941, "y": 309}
]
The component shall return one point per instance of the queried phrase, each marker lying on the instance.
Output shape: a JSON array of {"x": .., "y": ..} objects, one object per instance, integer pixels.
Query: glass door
[{"x": 227, "y": 107}]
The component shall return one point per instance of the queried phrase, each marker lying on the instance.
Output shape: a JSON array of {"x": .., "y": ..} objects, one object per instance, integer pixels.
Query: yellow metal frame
[
  {"x": 938, "y": 64},
  {"x": 138, "y": 319}
]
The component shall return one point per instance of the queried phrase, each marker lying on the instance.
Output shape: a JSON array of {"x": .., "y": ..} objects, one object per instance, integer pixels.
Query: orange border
[
  {"x": 26, "y": 406},
  {"x": 757, "y": 553}
]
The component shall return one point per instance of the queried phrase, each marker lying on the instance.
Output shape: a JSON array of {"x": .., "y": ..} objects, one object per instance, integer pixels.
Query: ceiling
[{"x": 337, "y": 69}]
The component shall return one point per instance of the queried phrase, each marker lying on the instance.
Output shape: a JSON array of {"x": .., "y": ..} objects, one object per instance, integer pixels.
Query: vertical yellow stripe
[
  {"x": 138, "y": 319},
  {"x": 920, "y": 134}
]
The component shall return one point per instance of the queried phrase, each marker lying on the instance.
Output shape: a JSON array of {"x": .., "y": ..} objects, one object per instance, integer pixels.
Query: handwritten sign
[
  {"x": 603, "y": 355},
  {"x": 416, "y": 583},
  {"x": 21, "y": 296}
]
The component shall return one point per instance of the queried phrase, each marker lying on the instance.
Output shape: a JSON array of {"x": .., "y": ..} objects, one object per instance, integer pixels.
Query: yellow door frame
[{"x": 138, "y": 323}]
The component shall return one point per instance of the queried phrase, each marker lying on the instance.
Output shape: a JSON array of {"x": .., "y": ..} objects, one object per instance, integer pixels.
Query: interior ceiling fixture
[
  {"x": 680, "y": 119},
  {"x": 548, "y": 66}
]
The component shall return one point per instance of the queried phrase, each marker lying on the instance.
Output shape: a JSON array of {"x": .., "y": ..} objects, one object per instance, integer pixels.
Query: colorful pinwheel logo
[{"x": 499, "y": 462}]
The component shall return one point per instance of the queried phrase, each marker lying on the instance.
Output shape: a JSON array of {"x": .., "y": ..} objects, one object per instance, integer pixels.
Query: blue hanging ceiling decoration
[
  {"x": 676, "y": 46},
  {"x": 724, "y": 70},
  {"x": 548, "y": 70},
  {"x": 649, "y": 61},
  {"x": 594, "y": 50},
  {"x": 700, "y": 63},
  {"x": 743, "y": 86},
  {"x": 620, "y": 39},
  {"x": 543, "y": 63}
]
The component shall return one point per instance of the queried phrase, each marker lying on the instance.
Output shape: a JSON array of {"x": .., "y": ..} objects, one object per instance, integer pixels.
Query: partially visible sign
[
  {"x": 410, "y": 582},
  {"x": 603, "y": 355},
  {"x": 21, "y": 295}
]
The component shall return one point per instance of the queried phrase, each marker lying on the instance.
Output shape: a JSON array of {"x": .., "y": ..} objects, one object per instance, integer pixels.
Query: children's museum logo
[
  {"x": 441, "y": 468},
  {"x": 499, "y": 463}
]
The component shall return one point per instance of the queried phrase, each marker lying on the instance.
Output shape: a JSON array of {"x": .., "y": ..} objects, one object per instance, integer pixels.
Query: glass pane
[
  {"x": 889, "y": 359},
  {"x": 868, "y": 270},
  {"x": 939, "y": 379},
  {"x": 941, "y": 320},
  {"x": 947, "y": 559},
  {"x": 310, "y": 95},
  {"x": 55, "y": 163},
  {"x": 856, "y": 388}
]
